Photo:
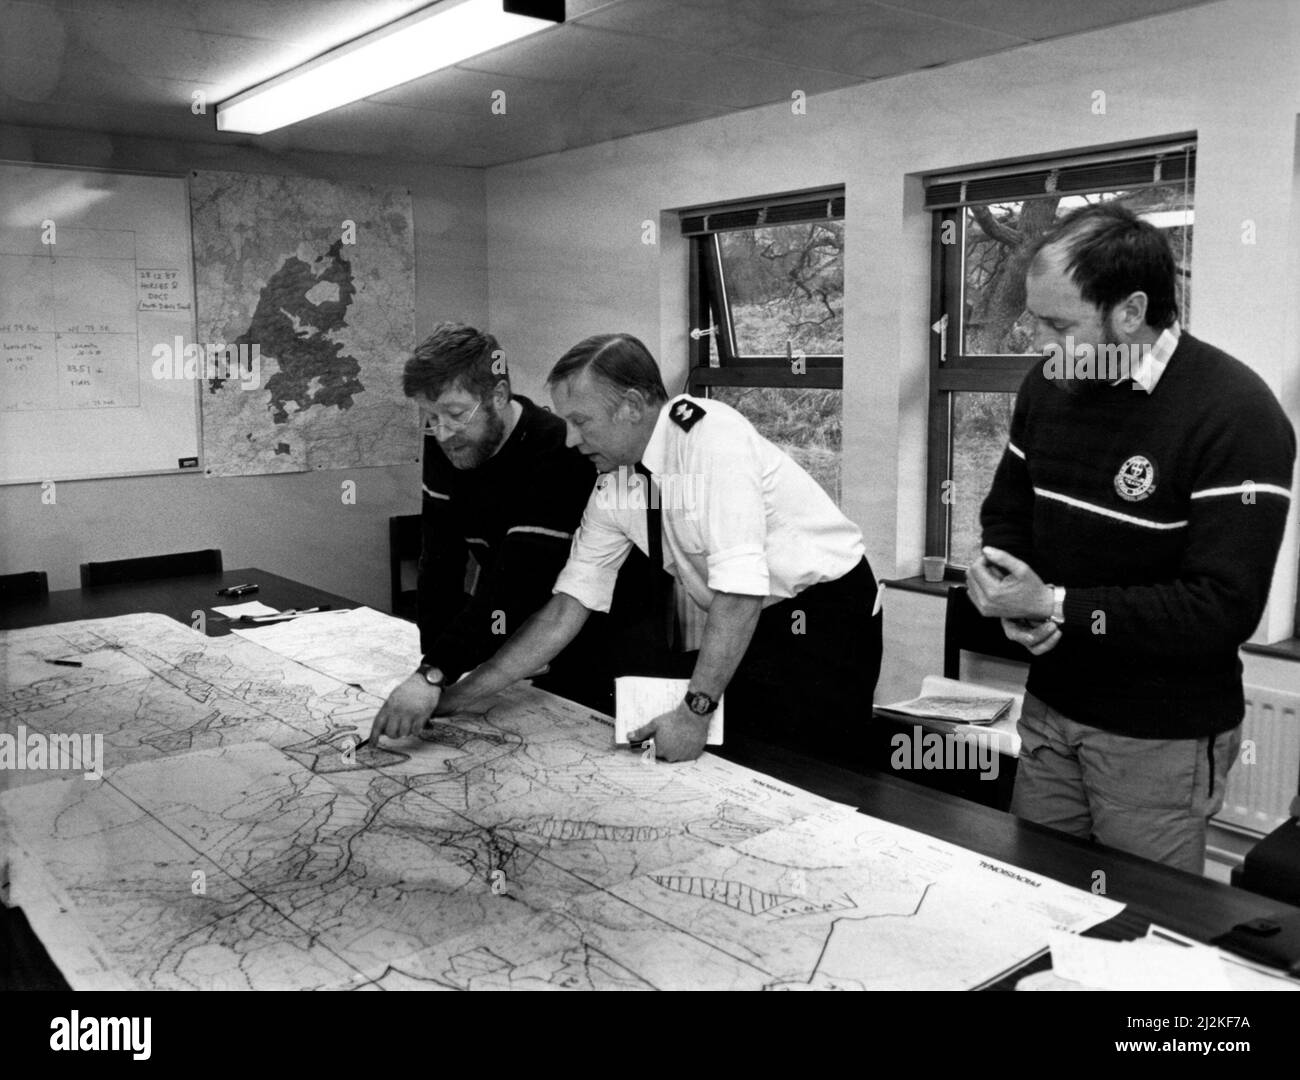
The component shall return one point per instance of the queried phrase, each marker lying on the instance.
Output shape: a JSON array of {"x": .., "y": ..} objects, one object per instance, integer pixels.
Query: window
[
  {"x": 767, "y": 320},
  {"x": 980, "y": 344}
]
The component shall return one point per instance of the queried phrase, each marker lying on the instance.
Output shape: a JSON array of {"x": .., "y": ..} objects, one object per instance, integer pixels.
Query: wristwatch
[
  {"x": 426, "y": 672},
  {"x": 700, "y": 703},
  {"x": 1058, "y": 604}
]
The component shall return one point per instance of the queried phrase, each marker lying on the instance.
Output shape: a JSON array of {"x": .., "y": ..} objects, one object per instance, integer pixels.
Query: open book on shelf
[{"x": 955, "y": 702}]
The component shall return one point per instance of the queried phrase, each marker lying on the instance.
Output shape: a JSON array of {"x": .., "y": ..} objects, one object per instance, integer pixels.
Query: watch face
[{"x": 699, "y": 703}]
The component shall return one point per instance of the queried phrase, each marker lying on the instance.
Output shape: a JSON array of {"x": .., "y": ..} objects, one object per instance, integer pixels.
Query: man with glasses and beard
[{"x": 500, "y": 486}]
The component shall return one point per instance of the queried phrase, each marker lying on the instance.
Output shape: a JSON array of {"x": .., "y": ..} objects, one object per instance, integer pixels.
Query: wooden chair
[
  {"x": 15, "y": 588},
  {"x": 405, "y": 541},
  {"x": 177, "y": 564},
  {"x": 1272, "y": 867},
  {"x": 24, "y": 962}
]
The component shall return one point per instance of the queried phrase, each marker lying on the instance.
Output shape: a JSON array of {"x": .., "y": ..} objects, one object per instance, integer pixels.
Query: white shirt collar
[
  {"x": 1151, "y": 363},
  {"x": 655, "y": 455}
]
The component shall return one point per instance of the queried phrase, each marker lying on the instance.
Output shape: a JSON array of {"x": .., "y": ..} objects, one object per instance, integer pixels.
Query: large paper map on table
[{"x": 239, "y": 838}]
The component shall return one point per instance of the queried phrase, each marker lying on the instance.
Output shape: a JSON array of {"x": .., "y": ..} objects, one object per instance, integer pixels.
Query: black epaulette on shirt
[{"x": 685, "y": 414}]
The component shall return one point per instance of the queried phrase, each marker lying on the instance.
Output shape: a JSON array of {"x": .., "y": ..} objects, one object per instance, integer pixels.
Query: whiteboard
[{"x": 96, "y": 298}]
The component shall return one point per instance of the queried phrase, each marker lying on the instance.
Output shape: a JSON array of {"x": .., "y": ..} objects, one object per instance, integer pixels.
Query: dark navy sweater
[
  {"x": 1162, "y": 515},
  {"x": 516, "y": 515}
]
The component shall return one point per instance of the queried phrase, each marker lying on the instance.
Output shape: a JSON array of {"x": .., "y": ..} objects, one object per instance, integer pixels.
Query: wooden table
[
  {"x": 178, "y": 597},
  {"x": 1192, "y": 905}
]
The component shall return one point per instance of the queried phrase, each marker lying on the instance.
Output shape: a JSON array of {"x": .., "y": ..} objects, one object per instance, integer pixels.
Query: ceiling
[{"x": 614, "y": 68}]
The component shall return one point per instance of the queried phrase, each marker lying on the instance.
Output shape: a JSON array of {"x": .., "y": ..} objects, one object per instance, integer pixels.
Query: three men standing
[{"x": 1130, "y": 536}]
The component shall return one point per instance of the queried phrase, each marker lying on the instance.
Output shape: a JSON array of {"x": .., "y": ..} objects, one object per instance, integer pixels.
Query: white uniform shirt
[{"x": 739, "y": 516}]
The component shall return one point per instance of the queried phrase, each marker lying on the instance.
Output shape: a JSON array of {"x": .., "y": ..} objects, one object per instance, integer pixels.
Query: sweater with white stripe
[
  {"x": 515, "y": 514},
  {"x": 1161, "y": 513}
]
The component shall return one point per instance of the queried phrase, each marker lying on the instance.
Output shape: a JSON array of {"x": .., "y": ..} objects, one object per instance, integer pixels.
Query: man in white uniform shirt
[{"x": 791, "y": 634}]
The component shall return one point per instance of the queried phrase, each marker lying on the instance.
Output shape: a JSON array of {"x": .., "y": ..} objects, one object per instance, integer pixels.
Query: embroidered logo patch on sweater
[{"x": 1136, "y": 479}]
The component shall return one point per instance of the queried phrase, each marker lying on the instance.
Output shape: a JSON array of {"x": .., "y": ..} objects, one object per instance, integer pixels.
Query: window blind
[
  {"x": 780, "y": 210},
  {"x": 1174, "y": 163}
]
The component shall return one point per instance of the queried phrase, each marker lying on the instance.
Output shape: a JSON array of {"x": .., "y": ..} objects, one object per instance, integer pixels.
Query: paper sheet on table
[
  {"x": 249, "y": 607},
  {"x": 1146, "y": 964},
  {"x": 638, "y": 699},
  {"x": 363, "y": 647},
  {"x": 1241, "y": 974}
]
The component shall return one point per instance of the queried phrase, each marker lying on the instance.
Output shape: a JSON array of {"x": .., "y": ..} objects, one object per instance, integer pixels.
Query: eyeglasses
[{"x": 435, "y": 423}]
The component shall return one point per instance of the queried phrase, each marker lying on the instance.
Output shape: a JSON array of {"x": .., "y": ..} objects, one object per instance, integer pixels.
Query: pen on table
[
  {"x": 238, "y": 590},
  {"x": 65, "y": 663},
  {"x": 289, "y": 613}
]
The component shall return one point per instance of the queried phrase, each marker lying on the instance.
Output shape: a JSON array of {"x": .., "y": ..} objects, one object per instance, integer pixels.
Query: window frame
[
  {"x": 969, "y": 372},
  {"x": 959, "y": 372},
  {"x": 710, "y": 308}
]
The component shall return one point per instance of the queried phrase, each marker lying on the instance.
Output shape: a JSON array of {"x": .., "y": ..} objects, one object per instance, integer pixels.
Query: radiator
[{"x": 1260, "y": 794}]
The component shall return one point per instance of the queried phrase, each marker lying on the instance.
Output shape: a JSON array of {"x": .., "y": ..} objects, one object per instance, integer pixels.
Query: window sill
[
  {"x": 1286, "y": 649},
  {"x": 920, "y": 585}
]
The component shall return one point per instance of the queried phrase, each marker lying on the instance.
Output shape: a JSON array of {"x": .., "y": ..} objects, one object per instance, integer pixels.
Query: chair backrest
[
  {"x": 965, "y": 628},
  {"x": 177, "y": 564},
  {"x": 405, "y": 540},
  {"x": 15, "y": 588}
]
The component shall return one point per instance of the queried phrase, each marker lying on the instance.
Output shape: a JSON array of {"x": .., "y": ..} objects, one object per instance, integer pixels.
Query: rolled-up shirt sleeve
[
  {"x": 600, "y": 547},
  {"x": 733, "y": 518}
]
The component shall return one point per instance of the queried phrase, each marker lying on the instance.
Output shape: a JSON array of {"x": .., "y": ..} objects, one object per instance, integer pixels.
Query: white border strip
[
  {"x": 540, "y": 531},
  {"x": 1241, "y": 489},
  {"x": 1129, "y": 518}
]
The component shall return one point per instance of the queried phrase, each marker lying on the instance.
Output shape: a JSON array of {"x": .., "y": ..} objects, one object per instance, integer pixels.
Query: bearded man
[{"x": 501, "y": 488}]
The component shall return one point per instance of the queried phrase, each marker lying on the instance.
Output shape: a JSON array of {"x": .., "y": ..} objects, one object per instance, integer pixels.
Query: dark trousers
[
  {"x": 807, "y": 678},
  {"x": 626, "y": 641},
  {"x": 809, "y": 673}
]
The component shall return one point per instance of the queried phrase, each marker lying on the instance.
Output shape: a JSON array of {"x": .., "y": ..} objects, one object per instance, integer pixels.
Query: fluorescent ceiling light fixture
[
  {"x": 433, "y": 38},
  {"x": 1169, "y": 219}
]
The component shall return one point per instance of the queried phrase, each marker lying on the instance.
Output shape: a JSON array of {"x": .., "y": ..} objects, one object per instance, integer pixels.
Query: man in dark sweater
[
  {"x": 1129, "y": 542},
  {"x": 499, "y": 487}
]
